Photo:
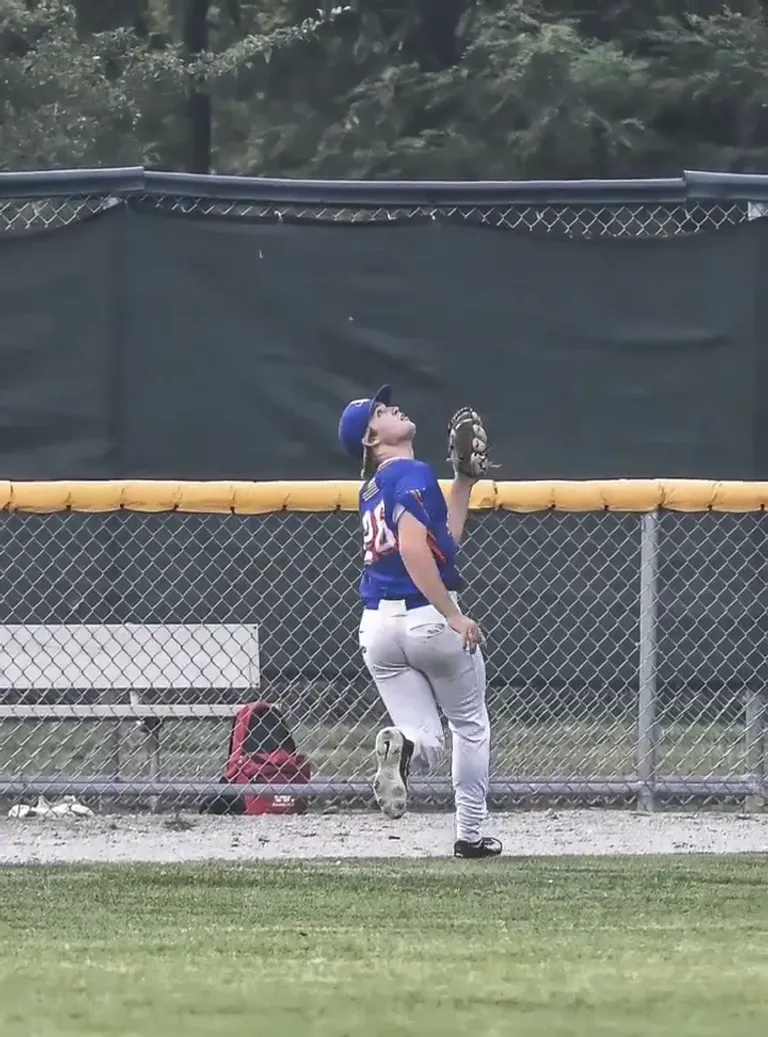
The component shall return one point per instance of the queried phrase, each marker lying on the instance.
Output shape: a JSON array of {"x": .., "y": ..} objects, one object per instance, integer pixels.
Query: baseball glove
[{"x": 468, "y": 444}]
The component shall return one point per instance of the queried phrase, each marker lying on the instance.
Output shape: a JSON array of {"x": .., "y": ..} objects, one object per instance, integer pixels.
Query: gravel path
[{"x": 162, "y": 839}]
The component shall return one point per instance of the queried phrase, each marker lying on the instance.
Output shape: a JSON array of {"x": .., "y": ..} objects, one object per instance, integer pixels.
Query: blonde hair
[{"x": 370, "y": 464}]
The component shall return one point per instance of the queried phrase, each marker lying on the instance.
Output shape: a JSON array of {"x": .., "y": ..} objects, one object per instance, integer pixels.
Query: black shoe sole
[
  {"x": 477, "y": 851},
  {"x": 390, "y": 786}
]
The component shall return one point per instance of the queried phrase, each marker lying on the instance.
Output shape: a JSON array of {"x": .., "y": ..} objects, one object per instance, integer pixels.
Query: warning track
[{"x": 167, "y": 839}]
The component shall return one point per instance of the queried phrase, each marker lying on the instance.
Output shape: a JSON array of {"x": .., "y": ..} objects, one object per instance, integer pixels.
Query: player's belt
[
  {"x": 399, "y": 604},
  {"x": 393, "y": 603}
]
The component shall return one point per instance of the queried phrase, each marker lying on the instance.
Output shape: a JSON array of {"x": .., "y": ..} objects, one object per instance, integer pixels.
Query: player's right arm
[
  {"x": 405, "y": 512},
  {"x": 420, "y": 564}
]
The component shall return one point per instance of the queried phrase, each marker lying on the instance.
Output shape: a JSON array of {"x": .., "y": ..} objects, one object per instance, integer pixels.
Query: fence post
[
  {"x": 646, "y": 703},
  {"x": 153, "y": 758},
  {"x": 755, "y": 709},
  {"x": 756, "y": 706}
]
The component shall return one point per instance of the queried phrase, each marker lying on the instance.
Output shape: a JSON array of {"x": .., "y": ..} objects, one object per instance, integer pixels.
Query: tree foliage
[{"x": 386, "y": 88}]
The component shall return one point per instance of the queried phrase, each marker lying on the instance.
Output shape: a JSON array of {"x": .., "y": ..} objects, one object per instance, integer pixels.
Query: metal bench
[{"x": 122, "y": 662}]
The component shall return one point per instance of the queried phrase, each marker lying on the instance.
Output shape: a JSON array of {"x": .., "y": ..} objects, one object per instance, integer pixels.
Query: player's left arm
[
  {"x": 458, "y": 505},
  {"x": 468, "y": 453}
]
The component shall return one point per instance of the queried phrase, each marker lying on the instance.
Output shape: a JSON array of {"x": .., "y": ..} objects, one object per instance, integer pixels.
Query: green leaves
[
  {"x": 527, "y": 98},
  {"x": 711, "y": 81},
  {"x": 467, "y": 88},
  {"x": 64, "y": 100}
]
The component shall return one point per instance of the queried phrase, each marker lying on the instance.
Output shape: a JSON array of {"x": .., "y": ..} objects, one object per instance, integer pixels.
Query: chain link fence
[
  {"x": 583, "y": 221},
  {"x": 625, "y": 653}
]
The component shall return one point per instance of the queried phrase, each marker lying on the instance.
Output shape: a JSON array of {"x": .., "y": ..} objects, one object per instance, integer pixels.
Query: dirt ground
[{"x": 190, "y": 837}]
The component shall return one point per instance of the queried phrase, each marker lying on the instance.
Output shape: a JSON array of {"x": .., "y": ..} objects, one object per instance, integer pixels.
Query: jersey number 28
[{"x": 378, "y": 538}]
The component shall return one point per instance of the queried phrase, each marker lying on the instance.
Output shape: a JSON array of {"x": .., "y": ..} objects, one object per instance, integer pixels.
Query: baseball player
[{"x": 420, "y": 649}]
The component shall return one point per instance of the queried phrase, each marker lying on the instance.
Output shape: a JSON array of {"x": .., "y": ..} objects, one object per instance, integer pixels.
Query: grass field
[
  {"x": 340, "y": 750},
  {"x": 630, "y": 947}
]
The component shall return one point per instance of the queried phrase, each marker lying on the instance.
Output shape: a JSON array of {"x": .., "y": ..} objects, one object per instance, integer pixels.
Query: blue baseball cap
[{"x": 354, "y": 420}]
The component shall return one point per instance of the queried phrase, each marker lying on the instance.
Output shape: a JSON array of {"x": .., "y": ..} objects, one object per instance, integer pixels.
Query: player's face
[{"x": 389, "y": 426}]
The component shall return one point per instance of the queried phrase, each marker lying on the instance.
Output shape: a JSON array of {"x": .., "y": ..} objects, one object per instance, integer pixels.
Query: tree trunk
[
  {"x": 199, "y": 101},
  {"x": 102, "y": 15},
  {"x": 141, "y": 19}
]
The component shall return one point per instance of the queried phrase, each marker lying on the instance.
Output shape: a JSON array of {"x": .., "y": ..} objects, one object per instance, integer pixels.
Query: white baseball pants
[{"x": 417, "y": 663}]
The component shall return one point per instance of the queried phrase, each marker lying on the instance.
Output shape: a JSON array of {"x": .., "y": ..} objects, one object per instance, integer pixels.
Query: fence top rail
[
  {"x": 693, "y": 186},
  {"x": 261, "y": 498}
]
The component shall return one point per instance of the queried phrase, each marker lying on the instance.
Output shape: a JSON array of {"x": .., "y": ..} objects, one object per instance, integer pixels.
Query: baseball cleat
[
  {"x": 390, "y": 786},
  {"x": 483, "y": 848}
]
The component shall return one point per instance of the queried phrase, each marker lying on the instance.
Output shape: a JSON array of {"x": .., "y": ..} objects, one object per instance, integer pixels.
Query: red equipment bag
[{"x": 262, "y": 750}]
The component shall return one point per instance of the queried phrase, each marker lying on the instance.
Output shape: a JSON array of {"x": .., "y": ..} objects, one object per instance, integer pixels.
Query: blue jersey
[{"x": 402, "y": 485}]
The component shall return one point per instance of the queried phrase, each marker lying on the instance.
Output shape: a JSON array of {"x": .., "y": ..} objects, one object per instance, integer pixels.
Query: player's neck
[{"x": 394, "y": 453}]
